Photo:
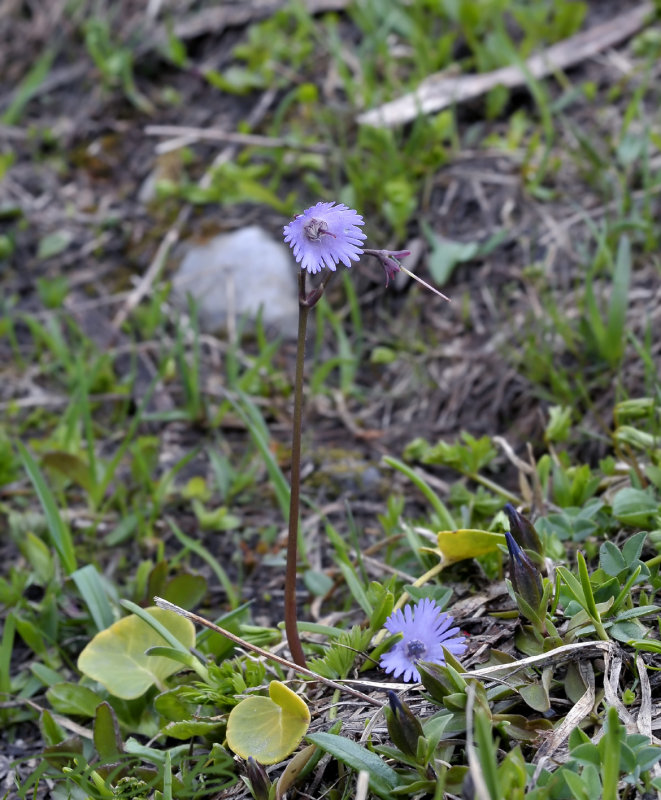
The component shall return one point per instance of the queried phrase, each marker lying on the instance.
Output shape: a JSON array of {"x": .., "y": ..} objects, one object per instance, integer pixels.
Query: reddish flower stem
[
  {"x": 291, "y": 628},
  {"x": 305, "y": 303}
]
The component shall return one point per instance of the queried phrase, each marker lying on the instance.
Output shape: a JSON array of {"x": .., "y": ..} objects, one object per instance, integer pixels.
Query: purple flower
[
  {"x": 325, "y": 234},
  {"x": 424, "y": 628}
]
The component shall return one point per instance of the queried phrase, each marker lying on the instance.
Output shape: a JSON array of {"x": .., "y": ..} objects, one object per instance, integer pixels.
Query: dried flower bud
[
  {"x": 523, "y": 531},
  {"x": 390, "y": 262},
  {"x": 403, "y": 726},
  {"x": 526, "y": 578}
]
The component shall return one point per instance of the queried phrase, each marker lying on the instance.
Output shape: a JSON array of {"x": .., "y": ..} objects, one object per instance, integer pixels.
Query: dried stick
[
  {"x": 165, "y": 604},
  {"x": 437, "y": 92}
]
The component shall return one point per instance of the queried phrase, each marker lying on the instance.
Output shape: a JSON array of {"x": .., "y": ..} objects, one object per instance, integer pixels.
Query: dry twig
[{"x": 437, "y": 92}]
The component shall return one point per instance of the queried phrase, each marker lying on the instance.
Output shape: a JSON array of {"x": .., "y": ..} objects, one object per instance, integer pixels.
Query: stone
[{"x": 234, "y": 275}]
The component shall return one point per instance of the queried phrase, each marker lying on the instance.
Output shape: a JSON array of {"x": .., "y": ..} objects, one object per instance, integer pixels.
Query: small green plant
[{"x": 114, "y": 61}]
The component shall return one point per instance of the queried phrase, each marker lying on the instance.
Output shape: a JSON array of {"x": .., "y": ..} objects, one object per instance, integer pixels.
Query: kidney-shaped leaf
[
  {"x": 467, "y": 543},
  {"x": 268, "y": 728},
  {"x": 116, "y": 656}
]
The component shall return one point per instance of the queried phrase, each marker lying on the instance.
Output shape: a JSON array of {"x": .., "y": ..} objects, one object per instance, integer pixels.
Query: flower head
[
  {"x": 325, "y": 234},
  {"x": 424, "y": 628}
]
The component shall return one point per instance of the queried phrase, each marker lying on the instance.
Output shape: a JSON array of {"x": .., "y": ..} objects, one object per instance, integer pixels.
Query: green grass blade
[
  {"x": 59, "y": 532},
  {"x": 444, "y": 517},
  {"x": 573, "y": 585},
  {"x": 593, "y": 315},
  {"x": 145, "y": 616},
  {"x": 626, "y": 589},
  {"x": 91, "y": 588},
  {"x": 167, "y": 776},
  {"x": 617, "y": 307},
  {"x": 355, "y": 586},
  {"x": 28, "y": 87},
  {"x": 610, "y": 761},
  {"x": 584, "y": 576},
  {"x": 86, "y": 414},
  {"x": 6, "y": 649},
  {"x": 111, "y": 467},
  {"x": 250, "y": 414},
  {"x": 486, "y": 753},
  {"x": 203, "y": 553},
  {"x": 344, "y": 562},
  {"x": 349, "y": 286},
  {"x": 590, "y": 604}
]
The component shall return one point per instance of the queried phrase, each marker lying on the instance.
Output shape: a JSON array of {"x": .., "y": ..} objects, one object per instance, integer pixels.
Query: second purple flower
[{"x": 424, "y": 628}]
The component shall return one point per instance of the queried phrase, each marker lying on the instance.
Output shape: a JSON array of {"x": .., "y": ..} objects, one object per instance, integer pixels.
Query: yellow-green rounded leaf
[
  {"x": 289, "y": 701},
  {"x": 116, "y": 656},
  {"x": 268, "y": 728},
  {"x": 467, "y": 543}
]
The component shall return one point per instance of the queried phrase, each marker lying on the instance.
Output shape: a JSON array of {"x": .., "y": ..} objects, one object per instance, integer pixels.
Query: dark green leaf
[
  {"x": 611, "y": 559},
  {"x": 107, "y": 736},
  {"x": 72, "y": 698},
  {"x": 383, "y": 779}
]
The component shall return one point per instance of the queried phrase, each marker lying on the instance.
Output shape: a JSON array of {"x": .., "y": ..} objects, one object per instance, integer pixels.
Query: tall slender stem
[{"x": 291, "y": 628}]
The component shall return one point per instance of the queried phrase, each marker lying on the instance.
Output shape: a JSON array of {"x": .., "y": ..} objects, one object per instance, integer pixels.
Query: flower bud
[
  {"x": 259, "y": 780},
  {"x": 526, "y": 578},
  {"x": 523, "y": 531},
  {"x": 403, "y": 726}
]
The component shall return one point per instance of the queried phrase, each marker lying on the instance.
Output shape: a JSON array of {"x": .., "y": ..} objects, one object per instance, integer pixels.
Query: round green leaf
[
  {"x": 116, "y": 656},
  {"x": 268, "y": 728}
]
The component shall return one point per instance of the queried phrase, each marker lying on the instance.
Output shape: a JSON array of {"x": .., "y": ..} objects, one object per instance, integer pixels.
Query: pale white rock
[{"x": 234, "y": 275}]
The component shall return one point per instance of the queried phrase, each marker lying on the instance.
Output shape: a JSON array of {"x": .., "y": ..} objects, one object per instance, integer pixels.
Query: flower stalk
[
  {"x": 323, "y": 236},
  {"x": 291, "y": 627}
]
